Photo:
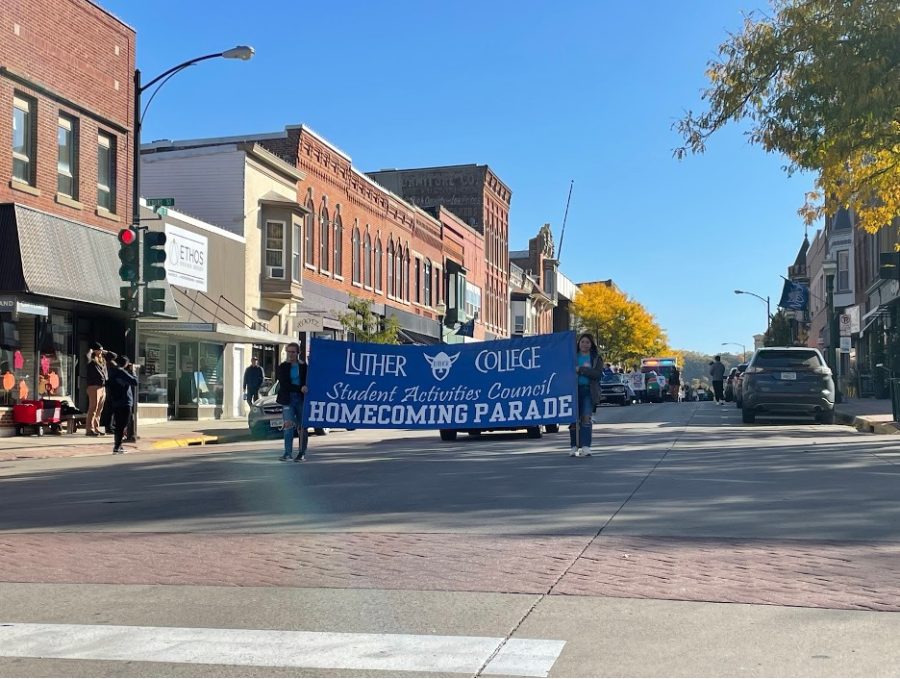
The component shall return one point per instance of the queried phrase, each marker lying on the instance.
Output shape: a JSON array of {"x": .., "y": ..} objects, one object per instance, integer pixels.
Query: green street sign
[{"x": 160, "y": 202}]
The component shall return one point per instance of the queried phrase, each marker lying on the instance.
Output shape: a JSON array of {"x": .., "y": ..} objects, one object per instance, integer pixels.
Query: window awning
[
  {"x": 213, "y": 332},
  {"x": 43, "y": 254},
  {"x": 411, "y": 337},
  {"x": 881, "y": 311}
]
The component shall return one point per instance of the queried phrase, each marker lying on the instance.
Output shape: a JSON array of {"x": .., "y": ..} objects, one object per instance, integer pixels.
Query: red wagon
[{"x": 37, "y": 415}]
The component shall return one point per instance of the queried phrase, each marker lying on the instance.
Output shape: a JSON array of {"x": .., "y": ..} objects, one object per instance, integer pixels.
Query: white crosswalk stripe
[{"x": 280, "y": 648}]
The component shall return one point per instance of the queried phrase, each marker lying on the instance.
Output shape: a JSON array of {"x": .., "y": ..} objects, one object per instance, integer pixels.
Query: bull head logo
[{"x": 441, "y": 364}]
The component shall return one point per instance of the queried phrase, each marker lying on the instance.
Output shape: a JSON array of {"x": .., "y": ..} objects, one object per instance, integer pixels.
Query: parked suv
[{"x": 786, "y": 380}]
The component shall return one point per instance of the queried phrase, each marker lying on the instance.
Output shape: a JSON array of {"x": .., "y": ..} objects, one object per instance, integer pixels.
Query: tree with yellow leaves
[
  {"x": 623, "y": 328},
  {"x": 820, "y": 82}
]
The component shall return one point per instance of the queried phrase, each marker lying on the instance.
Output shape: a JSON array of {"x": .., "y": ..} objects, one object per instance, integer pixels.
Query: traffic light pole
[{"x": 136, "y": 222}]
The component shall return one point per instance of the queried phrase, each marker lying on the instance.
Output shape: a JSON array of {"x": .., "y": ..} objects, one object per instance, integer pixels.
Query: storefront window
[
  {"x": 153, "y": 385},
  {"x": 56, "y": 364},
  {"x": 36, "y": 358}
]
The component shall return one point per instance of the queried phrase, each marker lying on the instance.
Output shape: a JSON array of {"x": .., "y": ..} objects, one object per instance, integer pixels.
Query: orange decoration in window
[
  {"x": 54, "y": 381},
  {"x": 23, "y": 390},
  {"x": 9, "y": 381}
]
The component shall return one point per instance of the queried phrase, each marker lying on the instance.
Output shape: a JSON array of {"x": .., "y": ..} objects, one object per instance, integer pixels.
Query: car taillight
[
  {"x": 822, "y": 370},
  {"x": 753, "y": 369}
]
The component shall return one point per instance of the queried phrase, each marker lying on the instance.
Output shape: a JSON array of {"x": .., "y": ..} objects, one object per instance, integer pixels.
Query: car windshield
[
  {"x": 787, "y": 359},
  {"x": 612, "y": 379}
]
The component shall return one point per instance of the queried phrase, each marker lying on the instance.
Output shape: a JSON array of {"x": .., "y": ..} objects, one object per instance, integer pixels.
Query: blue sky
[{"x": 544, "y": 93}]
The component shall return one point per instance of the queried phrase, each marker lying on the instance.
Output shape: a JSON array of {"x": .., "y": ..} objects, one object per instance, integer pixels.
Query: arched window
[
  {"x": 338, "y": 245},
  {"x": 406, "y": 275},
  {"x": 367, "y": 261},
  {"x": 355, "y": 254},
  {"x": 378, "y": 264},
  {"x": 426, "y": 279},
  {"x": 324, "y": 249},
  {"x": 391, "y": 288},
  {"x": 310, "y": 236},
  {"x": 398, "y": 267}
]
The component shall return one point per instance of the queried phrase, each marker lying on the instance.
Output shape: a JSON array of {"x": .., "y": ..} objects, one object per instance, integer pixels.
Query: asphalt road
[{"x": 690, "y": 544}]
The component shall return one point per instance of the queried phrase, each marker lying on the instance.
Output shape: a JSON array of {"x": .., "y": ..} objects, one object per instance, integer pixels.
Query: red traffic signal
[{"x": 128, "y": 236}]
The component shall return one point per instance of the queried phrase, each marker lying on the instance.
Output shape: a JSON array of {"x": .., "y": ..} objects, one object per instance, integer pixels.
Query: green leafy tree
[
  {"x": 779, "y": 332},
  {"x": 366, "y": 326},
  {"x": 819, "y": 81}
]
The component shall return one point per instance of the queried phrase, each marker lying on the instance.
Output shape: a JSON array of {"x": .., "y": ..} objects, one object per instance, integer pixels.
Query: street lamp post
[
  {"x": 743, "y": 349},
  {"x": 241, "y": 52},
  {"x": 762, "y": 299},
  {"x": 829, "y": 268}
]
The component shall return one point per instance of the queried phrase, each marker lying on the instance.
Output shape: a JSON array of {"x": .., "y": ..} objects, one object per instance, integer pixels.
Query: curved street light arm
[{"x": 174, "y": 69}]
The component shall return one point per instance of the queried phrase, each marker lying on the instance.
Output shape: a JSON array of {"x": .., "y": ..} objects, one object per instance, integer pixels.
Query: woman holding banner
[
  {"x": 291, "y": 389},
  {"x": 589, "y": 366}
]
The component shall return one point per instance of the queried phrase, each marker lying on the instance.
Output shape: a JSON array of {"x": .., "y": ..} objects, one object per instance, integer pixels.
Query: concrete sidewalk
[
  {"x": 165, "y": 436},
  {"x": 873, "y": 415}
]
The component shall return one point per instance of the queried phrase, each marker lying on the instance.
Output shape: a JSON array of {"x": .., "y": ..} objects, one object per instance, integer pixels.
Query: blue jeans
[
  {"x": 292, "y": 416},
  {"x": 585, "y": 412}
]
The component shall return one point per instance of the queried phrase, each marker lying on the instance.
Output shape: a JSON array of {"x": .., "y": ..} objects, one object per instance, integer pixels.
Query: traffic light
[
  {"x": 154, "y": 256},
  {"x": 128, "y": 299},
  {"x": 154, "y": 301},
  {"x": 129, "y": 254}
]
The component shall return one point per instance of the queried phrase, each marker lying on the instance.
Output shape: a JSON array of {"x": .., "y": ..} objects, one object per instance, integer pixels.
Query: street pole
[
  {"x": 834, "y": 342},
  {"x": 241, "y": 52}
]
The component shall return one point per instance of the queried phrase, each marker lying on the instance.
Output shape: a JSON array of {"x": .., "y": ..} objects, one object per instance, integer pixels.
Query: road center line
[{"x": 280, "y": 648}]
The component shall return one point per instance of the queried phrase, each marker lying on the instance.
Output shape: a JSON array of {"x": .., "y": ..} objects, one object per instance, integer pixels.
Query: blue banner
[
  {"x": 794, "y": 296},
  {"x": 518, "y": 382}
]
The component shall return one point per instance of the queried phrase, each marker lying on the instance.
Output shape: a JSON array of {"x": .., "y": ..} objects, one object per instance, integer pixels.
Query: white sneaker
[
  {"x": 586, "y": 451},
  {"x": 574, "y": 452}
]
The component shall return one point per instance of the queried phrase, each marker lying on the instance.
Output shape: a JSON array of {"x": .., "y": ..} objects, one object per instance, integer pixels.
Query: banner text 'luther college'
[{"x": 517, "y": 382}]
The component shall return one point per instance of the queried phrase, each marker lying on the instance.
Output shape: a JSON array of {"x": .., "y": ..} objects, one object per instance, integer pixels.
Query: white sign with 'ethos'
[{"x": 187, "y": 257}]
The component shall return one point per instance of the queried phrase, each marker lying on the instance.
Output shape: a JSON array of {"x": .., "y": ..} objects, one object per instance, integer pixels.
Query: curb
[
  {"x": 865, "y": 424},
  {"x": 197, "y": 440}
]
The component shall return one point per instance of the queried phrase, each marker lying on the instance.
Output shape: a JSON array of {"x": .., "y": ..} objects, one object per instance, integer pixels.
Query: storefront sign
[
  {"x": 523, "y": 382},
  {"x": 187, "y": 258},
  {"x": 853, "y": 313},
  {"x": 13, "y": 305},
  {"x": 309, "y": 323},
  {"x": 845, "y": 345}
]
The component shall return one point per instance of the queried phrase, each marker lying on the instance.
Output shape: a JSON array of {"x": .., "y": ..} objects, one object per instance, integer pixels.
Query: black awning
[
  {"x": 43, "y": 254},
  {"x": 411, "y": 337}
]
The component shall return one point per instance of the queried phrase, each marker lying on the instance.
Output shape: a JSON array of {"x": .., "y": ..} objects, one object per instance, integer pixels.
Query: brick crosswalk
[{"x": 840, "y": 575}]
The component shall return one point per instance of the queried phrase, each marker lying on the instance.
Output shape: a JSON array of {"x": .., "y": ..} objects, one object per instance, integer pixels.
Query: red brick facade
[
  {"x": 348, "y": 207},
  {"x": 68, "y": 57}
]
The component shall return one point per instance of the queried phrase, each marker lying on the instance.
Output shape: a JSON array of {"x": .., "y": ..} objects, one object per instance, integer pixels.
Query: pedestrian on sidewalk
[
  {"x": 717, "y": 377},
  {"x": 96, "y": 389},
  {"x": 106, "y": 413},
  {"x": 121, "y": 385},
  {"x": 291, "y": 389},
  {"x": 253, "y": 380},
  {"x": 589, "y": 366}
]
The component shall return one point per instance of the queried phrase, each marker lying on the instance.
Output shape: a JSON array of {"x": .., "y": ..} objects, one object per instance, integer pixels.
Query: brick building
[
  {"x": 464, "y": 261},
  {"x": 66, "y": 93},
  {"x": 356, "y": 237},
  {"x": 534, "y": 299},
  {"x": 478, "y": 197}
]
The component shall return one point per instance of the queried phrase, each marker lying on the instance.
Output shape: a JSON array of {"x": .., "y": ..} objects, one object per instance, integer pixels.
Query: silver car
[
  {"x": 787, "y": 380},
  {"x": 265, "y": 417}
]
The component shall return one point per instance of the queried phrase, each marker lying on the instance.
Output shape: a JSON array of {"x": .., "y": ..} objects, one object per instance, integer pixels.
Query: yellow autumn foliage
[{"x": 624, "y": 329}]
